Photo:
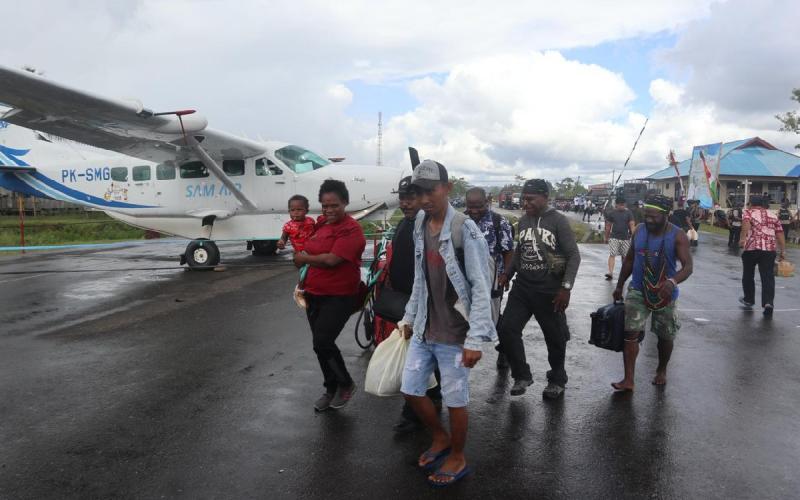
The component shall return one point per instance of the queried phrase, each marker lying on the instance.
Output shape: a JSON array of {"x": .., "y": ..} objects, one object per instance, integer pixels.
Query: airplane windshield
[{"x": 300, "y": 160}]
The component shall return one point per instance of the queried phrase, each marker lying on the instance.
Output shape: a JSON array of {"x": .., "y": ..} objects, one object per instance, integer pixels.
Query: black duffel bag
[
  {"x": 390, "y": 304},
  {"x": 608, "y": 327}
]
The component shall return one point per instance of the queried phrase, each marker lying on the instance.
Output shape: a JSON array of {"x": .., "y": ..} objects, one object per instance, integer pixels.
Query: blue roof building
[{"x": 751, "y": 163}]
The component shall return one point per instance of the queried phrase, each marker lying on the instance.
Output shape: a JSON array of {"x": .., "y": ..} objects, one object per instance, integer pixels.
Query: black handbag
[
  {"x": 390, "y": 304},
  {"x": 608, "y": 327}
]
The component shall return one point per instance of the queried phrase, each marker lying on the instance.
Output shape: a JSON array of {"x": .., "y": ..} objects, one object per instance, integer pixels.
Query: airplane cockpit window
[
  {"x": 119, "y": 174},
  {"x": 141, "y": 173},
  {"x": 266, "y": 166},
  {"x": 193, "y": 170},
  {"x": 233, "y": 167},
  {"x": 165, "y": 172},
  {"x": 300, "y": 160}
]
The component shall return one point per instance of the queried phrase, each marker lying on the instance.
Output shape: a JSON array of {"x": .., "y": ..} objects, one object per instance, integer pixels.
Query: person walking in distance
[
  {"x": 762, "y": 236},
  {"x": 545, "y": 263},
  {"x": 652, "y": 260},
  {"x": 785, "y": 218},
  {"x": 619, "y": 228},
  {"x": 735, "y": 226}
]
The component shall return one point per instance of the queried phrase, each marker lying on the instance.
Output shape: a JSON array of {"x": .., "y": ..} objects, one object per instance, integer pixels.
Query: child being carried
[{"x": 300, "y": 227}]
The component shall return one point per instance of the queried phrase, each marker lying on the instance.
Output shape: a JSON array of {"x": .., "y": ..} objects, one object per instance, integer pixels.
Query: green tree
[
  {"x": 569, "y": 188},
  {"x": 460, "y": 187},
  {"x": 790, "y": 119}
]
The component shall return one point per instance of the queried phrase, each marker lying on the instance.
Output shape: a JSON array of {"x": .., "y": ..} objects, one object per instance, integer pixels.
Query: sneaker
[
  {"x": 343, "y": 396},
  {"x": 324, "y": 402},
  {"x": 553, "y": 391},
  {"x": 520, "y": 386},
  {"x": 745, "y": 304},
  {"x": 768, "y": 309},
  {"x": 502, "y": 361},
  {"x": 609, "y": 277}
]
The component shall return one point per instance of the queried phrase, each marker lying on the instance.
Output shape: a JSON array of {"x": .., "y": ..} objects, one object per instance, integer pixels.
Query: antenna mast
[{"x": 380, "y": 139}]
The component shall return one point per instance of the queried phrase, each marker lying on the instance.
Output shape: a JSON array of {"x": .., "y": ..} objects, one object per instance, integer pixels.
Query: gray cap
[{"x": 429, "y": 174}]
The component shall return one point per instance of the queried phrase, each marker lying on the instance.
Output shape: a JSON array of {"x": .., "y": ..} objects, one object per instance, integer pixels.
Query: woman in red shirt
[{"x": 331, "y": 286}]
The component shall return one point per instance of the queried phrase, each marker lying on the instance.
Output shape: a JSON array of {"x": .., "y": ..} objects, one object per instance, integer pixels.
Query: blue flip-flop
[
  {"x": 454, "y": 477},
  {"x": 436, "y": 459}
]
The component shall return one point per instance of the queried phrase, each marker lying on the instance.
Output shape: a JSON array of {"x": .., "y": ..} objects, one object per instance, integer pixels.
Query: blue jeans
[{"x": 423, "y": 358}]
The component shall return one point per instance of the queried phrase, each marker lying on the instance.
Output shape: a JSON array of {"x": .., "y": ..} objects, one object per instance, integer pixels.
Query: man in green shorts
[{"x": 656, "y": 248}]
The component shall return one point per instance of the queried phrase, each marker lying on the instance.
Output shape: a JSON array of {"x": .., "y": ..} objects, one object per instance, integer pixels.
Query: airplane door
[
  {"x": 274, "y": 185},
  {"x": 142, "y": 182}
]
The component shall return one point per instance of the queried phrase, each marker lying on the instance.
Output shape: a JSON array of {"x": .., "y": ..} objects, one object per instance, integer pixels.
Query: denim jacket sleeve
[{"x": 478, "y": 274}]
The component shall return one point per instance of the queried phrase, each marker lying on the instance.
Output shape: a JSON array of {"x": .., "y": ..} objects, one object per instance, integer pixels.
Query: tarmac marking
[
  {"x": 23, "y": 278},
  {"x": 730, "y": 310}
]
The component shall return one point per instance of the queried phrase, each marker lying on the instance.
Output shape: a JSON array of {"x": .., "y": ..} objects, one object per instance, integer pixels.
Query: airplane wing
[
  {"x": 365, "y": 213},
  {"x": 118, "y": 125}
]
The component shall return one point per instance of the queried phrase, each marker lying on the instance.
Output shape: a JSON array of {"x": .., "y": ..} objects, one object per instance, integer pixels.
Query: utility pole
[
  {"x": 746, "y": 192},
  {"x": 380, "y": 139}
]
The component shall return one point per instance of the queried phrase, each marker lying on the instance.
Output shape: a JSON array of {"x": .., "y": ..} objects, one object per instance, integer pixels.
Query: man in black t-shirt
[{"x": 680, "y": 217}]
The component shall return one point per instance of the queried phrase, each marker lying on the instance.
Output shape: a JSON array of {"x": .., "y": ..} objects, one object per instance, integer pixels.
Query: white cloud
[
  {"x": 545, "y": 116},
  {"x": 742, "y": 57},
  {"x": 508, "y": 101},
  {"x": 665, "y": 92}
]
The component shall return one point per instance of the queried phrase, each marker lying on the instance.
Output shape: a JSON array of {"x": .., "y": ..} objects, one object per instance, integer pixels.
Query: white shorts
[{"x": 618, "y": 247}]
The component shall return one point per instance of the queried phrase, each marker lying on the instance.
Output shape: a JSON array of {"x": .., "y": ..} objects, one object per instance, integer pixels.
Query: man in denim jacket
[{"x": 449, "y": 316}]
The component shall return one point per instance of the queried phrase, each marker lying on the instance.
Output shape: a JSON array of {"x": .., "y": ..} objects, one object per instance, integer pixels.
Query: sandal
[
  {"x": 435, "y": 458},
  {"x": 453, "y": 477}
]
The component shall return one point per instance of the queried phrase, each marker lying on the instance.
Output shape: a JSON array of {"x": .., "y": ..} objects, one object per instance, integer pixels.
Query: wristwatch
[
  {"x": 566, "y": 286},
  {"x": 674, "y": 283}
]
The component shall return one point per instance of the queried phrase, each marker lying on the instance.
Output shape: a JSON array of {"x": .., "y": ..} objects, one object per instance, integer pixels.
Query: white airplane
[{"x": 173, "y": 174}]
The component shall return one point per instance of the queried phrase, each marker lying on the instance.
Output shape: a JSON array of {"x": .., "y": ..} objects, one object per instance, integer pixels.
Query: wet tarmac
[{"x": 125, "y": 383}]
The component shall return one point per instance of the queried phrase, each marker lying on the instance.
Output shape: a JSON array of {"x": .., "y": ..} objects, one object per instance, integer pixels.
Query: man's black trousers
[
  {"x": 521, "y": 305},
  {"x": 733, "y": 236},
  {"x": 766, "y": 268}
]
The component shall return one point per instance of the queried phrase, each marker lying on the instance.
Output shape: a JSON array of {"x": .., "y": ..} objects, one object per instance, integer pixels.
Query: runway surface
[{"x": 124, "y": 381}]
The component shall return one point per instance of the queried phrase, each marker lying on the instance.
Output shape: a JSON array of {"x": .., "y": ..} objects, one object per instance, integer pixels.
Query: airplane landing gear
[
  {"x": 263, "y": 247},
  {"x": 201, "y": 254}
]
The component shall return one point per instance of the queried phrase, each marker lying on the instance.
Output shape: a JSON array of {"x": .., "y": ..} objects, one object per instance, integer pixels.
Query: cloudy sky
[{"x": 491, "y": 89}]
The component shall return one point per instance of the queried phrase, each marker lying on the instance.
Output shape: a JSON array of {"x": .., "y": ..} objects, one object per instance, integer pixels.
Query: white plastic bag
[
  {"x": 385, "y": 370},
  {"x": 692, "y": 234}
]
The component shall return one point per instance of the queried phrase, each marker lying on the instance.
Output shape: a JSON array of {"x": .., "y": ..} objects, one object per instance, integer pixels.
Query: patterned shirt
[
  {"x": 763, "y": 228},
  {"x": 486, "y": 225},
  {"x": 299, "y": 232}
]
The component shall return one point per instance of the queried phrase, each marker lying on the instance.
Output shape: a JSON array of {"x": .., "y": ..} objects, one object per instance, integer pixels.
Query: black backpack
[{"x": 608, "y": 327}]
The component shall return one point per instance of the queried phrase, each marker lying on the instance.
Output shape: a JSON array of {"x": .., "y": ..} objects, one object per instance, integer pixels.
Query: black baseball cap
[
  {"x": 405, "y": 186},
  {"x": 429, "y": 174},
  {"x": 536, "y": 186}
]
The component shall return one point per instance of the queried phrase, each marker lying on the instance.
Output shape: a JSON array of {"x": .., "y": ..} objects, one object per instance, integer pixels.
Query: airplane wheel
[
  {"x": 265, "y": 247},
  {"x": 202, "y": 254}
]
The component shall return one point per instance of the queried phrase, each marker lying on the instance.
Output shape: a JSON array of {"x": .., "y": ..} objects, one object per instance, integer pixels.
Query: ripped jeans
[{"x": 423, "y": 358}]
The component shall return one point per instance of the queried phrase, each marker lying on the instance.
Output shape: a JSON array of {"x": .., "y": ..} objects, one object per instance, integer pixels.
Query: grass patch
[
  {"x": 722, "y": 231},
  {"x": 89, "y": 227}
]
